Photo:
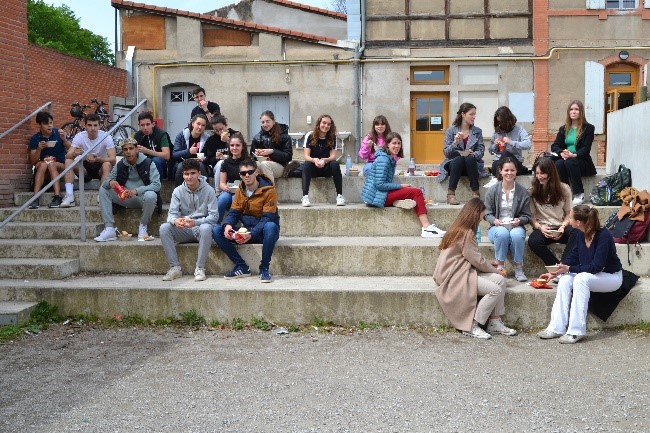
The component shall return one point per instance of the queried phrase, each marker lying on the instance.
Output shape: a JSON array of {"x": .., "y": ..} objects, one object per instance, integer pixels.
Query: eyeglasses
[{"x": 246, "y": 173}]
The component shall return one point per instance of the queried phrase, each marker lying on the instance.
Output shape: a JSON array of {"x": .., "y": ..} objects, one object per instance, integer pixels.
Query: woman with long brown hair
[
  {"x": 376, "y": 137},
  {"x": 550, "y": 206},
  {"x": 463, "y": 274},
  {"x": 573, "y": 147},
  {"x": 320, "y": 158},
  {"x": 271, "y": 146},
  {"x": 591, "y": 266}
]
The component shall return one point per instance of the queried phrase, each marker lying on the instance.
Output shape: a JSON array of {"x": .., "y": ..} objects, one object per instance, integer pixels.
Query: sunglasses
[{"x": 246, "y": 173}]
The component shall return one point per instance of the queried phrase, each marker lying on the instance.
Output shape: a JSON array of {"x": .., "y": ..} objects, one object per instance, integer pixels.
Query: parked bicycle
[
  {"x": 120, "y": 134},
  {"x": 100, "y": 110},
  {"x": 70, "y": 129}
]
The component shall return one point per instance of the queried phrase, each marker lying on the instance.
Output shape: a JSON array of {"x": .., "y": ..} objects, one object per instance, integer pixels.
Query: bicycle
[
  {"x": 120, "y": 134},
  {"x": 102, "y": 113},
  {"x": 70, "y": 129}
]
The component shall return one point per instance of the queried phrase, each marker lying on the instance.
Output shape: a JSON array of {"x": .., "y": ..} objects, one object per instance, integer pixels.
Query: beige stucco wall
[
  {"x": 470, "y": 28},
  {"x": 386, "y": 30},
  {"x": 614, "y": 31},
  {"x": 467, "y": 6},
  {"x": 428, "y": 7},
  {"x": 508, "y": 6},
  {"x": 384, "y": 7},
  {"x": 427, "y": 30},
  {"x": 505, "y": 28}
]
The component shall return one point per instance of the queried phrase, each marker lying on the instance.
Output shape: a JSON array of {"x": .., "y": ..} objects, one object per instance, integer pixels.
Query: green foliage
[
  {"x": 44, "y": 313},
  {"x": 260, "y": 323},
  {"x": 9, "y": 332},
  {"x": 293, "y": 328},
  {"x": 192, "y": 318},
  {"x": 237, "y": 324},
  {"x": 364, "y": 325},
  {"x": 214, "y": 323},
  {"x": 57, "y": 27}
]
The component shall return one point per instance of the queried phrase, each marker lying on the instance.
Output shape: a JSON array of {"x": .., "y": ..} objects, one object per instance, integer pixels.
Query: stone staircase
[{"x": 341, "y": 264}]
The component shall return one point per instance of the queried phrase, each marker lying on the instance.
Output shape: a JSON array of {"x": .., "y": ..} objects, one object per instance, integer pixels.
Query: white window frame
[{"x": 602, "y": 4}]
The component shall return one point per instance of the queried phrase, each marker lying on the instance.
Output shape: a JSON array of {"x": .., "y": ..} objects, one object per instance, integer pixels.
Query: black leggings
[
  {"x": 460, "y": 166},
  {"x": 332, "y": 169},
  {"x": 539, "y": 243}
]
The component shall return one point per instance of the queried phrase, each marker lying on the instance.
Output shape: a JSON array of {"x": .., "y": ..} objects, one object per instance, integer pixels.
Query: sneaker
[
  {"x": 199, "y": 274},
  {"x": 570, "y": 339},
  {"x": 477, "y": 332},
  {"x": 404, "y": 204},
  {"x": 34, "y": 205},
  {"x": 519, "y": 274},
  {"x": 305, "y": 201},
  {"x": 491, "y": 183},
  {"x": 265, "y": 275},
  {"x": 56, "y": 202},
  {"x": 496, "y": 326},
  {"x": 143, "y": 235},
  {"x": 432, "y": 232},
  {"x": 173, "y": 273},
  {"x": 340, "y": 200},
  {"x": 239, "y": 271},
  {"x": 68, "y": 201},
  {"x": 547, "y": 335},
  {"x": 108, "y": 234},
  {"x": 291, "y": 166},
  {"x": 578, "y": 199}
]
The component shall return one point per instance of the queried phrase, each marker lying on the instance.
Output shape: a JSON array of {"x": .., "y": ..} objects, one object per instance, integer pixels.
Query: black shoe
[
  {"x": 56, "y": 202},
  {"x": 34, "y": 205}
]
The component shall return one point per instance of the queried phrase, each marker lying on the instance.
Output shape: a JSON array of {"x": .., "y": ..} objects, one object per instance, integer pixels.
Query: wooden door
[{"x": 429, "y": 120}]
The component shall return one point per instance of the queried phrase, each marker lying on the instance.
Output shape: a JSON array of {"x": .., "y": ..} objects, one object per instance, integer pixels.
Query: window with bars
[{"x": 622, "y": 4}]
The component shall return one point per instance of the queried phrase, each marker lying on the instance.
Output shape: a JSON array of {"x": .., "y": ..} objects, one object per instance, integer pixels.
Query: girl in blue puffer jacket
[{"x": 379, "y": 190}]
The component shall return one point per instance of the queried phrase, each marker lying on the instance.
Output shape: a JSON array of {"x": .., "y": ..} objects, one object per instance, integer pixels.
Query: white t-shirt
[{"x": 82, "y": 141}]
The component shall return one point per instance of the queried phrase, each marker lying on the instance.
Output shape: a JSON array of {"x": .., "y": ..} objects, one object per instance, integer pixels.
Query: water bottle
[
  {"x": 412, "y": 167},
  {"x": 348, "y": 165},
  {"x": 478, "y": 234}
]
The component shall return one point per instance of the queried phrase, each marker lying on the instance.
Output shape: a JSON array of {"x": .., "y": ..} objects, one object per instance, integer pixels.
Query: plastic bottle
[
  {"x": 348, "y": 165},
  {"x": 412, "y": 167},
  {"x": 478, "y": 234}
]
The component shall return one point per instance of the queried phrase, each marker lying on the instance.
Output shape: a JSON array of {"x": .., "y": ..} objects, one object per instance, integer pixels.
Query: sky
[{"x": 98, "y": 15}]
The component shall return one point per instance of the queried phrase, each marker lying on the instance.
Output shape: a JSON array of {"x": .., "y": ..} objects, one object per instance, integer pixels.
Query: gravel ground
[{"x": 168, "y": 380}]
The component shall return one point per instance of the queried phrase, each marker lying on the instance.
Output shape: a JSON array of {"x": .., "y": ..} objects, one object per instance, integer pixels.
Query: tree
[
  {"x": 58, "y": 28},
  {"x": 339, "y": 6}
]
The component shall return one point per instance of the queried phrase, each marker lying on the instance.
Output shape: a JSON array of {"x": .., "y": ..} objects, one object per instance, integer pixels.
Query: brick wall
[{"x": 13, "y": 94}]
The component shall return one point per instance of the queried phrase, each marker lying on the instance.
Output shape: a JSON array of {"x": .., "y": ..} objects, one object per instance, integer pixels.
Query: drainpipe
[{"x": 358, "y": 55}]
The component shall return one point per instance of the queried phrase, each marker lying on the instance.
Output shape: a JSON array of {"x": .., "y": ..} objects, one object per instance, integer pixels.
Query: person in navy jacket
[{"x": 591, "y": 266}]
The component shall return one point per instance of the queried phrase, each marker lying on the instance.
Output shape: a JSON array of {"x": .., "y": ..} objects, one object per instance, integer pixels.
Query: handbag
[
  {"x": 602, "y": 305},
  {"x": 605, "y": 193}
]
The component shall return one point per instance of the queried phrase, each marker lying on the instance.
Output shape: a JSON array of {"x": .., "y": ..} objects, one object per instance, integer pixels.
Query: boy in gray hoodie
[{"x": 192, "y": 213}]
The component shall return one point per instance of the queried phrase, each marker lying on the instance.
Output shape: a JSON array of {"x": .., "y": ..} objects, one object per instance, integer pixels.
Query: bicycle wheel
[
  {"x": 70, "y": 129},
  {"x": 120, "y": 134}
]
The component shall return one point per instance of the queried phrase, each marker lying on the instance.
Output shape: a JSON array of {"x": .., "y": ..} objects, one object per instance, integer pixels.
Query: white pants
[{"x": 569, "y": 314}]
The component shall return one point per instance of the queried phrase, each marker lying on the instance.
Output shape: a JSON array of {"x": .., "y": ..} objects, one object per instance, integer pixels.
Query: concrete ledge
[
  {"x": 342, "y": 300},
  {"x": 41, "y": 268},
  {"x": 13, "y": 313}
]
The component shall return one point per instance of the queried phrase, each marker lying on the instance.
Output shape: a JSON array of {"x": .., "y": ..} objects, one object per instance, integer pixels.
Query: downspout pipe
[{"x": 358, "y": 56}]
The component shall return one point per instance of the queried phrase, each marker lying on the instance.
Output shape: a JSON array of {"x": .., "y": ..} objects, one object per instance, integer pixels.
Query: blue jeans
[
  {"x": 224, "y": 200},
  {"x": 161, "y": 165},
  {"x": 268, "y": 238},
  {"x": 504, "y": 240}
]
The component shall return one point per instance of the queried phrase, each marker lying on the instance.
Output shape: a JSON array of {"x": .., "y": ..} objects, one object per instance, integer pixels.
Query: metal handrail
[
  {"x": 49, "y": 109},
  {"x": 78, "y": 160}
]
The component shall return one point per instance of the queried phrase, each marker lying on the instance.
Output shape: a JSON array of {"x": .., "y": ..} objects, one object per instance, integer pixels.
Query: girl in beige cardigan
[{"x": 463, "y": 274}]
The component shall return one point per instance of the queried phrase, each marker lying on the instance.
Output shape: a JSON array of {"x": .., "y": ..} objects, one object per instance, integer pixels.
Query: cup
[
  {"x": 51, "y": 143},
  {"x": 200, "y": 155}
]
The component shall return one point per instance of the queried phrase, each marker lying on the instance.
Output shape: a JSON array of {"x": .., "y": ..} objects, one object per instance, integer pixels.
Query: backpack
[
  {"x": 628, "y": 231},
  {"x": 605, "y": 193}
]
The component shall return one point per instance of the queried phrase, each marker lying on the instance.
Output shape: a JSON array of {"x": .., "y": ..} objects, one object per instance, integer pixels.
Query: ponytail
[{"x": 589, "y": 216}]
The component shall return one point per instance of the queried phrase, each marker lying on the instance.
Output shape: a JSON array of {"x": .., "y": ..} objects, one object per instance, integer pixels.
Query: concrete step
[
  {"x": 299, "y": 300},
  {"x": 14, "y": 312},
  {"x": 296, "y": 256},
  {"x": 322, "y": 189},
  {"x": 39, "y": 268},
  {"x": 48, "y": 230}
]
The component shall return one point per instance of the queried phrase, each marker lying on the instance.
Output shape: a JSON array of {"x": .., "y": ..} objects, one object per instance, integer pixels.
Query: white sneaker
[
  {"x": 68, "y": 201},
  {"x": 340, "y": 200},
  {"x": 173, "y": 273},
  {"x": 496, "y": 326},
  {"x": 107, "y": 235},
  {"x": 578, "y": 199},
  {"x": 432, "y": 232},
  {"x": 519, "y": 274},
  {"x": 305, "y": 201},
  {"x": 404, "y": 204},
  {"x": 199, "y": 274},
  {"x": 491, "y": 183},
  {"x": 477, "y": 332},
  {"x": 143, "y": 234}
]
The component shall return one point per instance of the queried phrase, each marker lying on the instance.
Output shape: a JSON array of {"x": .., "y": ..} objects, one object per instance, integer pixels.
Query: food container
[
  {"x": 120, "y": 191},
  {"x": 124, "y": 236},
  {"x": 51, "y": 143},
  {"x": 463, "y": 153},
  {"x": 354, "y": 172},
  {"x": 552, "y": 268}
]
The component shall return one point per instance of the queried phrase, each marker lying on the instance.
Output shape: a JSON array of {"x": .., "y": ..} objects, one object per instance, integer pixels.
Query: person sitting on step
[
  {"x": 508, "y": 140},
  {"x": 229, "y": 175},
  {"x": 189, "y": 144},
  {"x": 154, "y": 142},
  {"x": 376, "y": 137},
  {"x": 271, "y": 147},
  {"x": 463, "y": 274},
  {"x": 320, "y": 158},
  {"x": 380, "y": 189},
  {"x": 508, "y": 211},
  {"x": 139, "y": 177},
  {"x": 253, "y": 219},
  {"x": 463, "y": 152},
  {"x": 573, "y": 146},
  {"x": 192, "y": 213}
]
